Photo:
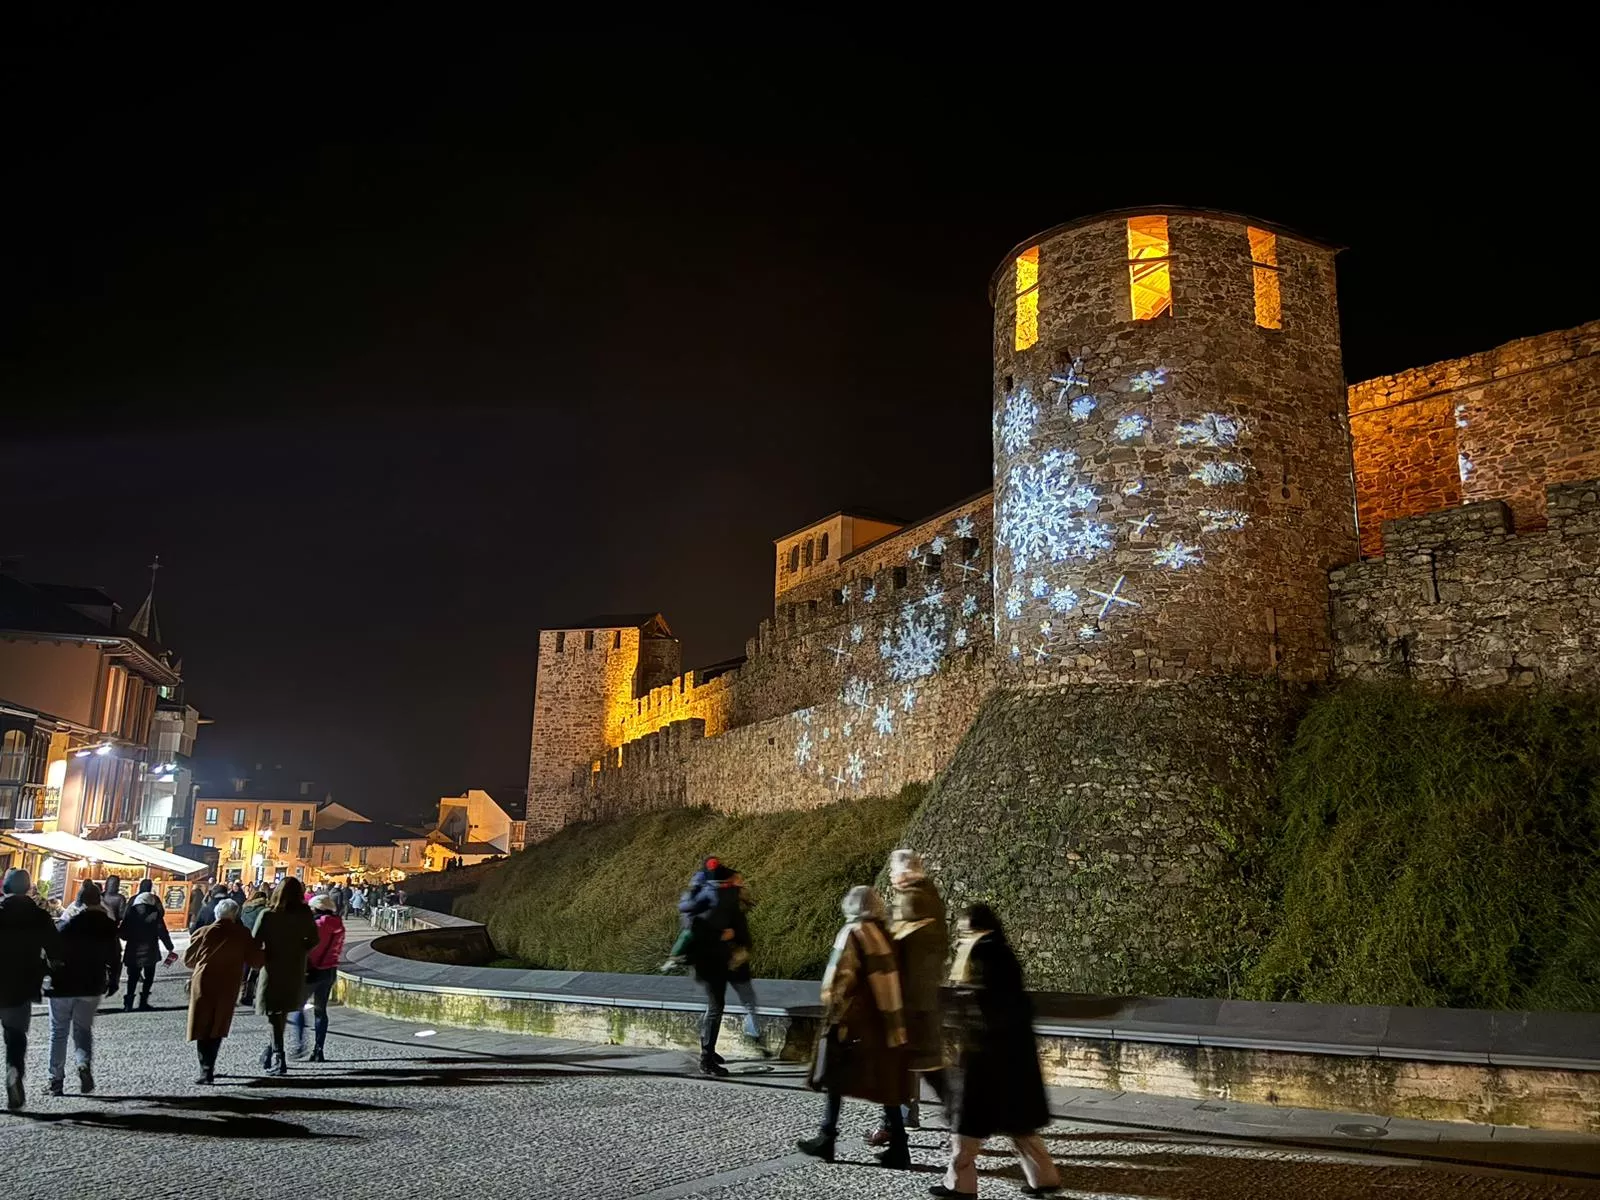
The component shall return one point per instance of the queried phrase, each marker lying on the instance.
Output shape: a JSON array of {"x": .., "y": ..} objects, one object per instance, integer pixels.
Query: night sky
[{"x": 399, "y": 343}]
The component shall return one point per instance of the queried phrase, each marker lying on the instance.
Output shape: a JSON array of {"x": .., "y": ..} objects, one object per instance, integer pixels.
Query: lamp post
[{"x": 263, "y": 842}]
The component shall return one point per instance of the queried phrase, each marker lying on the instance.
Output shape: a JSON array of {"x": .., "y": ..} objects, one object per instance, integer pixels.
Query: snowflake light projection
[
  {"x": 933, "y": 597},
  {"x": 1131, "y": 426},
  {"x": 1063, "y": 600},
  {"x": 1464, "y": 466},
  {"x": 959, "y": 638},
  {"x": 1178, "y": 556},
  {"x": 803, "y": 747},
  {"x": 937, "y": 545},
  {"x": 870, "y": 594},
  {"x": 855, "y": 766},
  {"x": 1113, "y": 597},
  {"x": 1133, "y": 487},
  {"x": 914, "y": 554},
  {"x": 1148, "y": 381},
  {"x": 1040, "y": 587},
  {"x": 847, "y": 729},
  {"x": 804, "y": 716},
  {"x": 1214, "y": 474},
  {"x": 1461, "y": 416},
  {"x": 1082, "y": 408},
  {"x": 963, "y": 527},
  {"x": 844, "y": 594},
  {"x": 857, "y": 693},
  {"x": 1045, "y": 515},
  {"x": 1074, "y": 378},
  {"x": 856, "y": 634},
  {"x": 1141, "y": 525},
  {"x": 1044, "y": 628},
  {"x": 969, "y": 605},
  {"x": 1222, "y": 520},
  {"x": 908, "y": 699},
  {"x": 883, "y": 719},
  {"x": 1211, "y": 429},
  {"x": 1016, "y": 423},
  {"x": 913, "y": 647},
  {"x": 839, "y": 652},
  {"x": 1014, "y": 602}
]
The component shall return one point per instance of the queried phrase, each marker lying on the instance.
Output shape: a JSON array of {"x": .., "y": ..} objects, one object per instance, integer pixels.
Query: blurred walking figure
[
  {"x": 116, "y": 906},
  {"x": 322, "y": 968},
  {"x": 28, "y": 940},
  {"x": 862, "y": 1050},
  {"x": 921, "y": 938},
  {"x": 144, "y": 929},
  {"x": 89, "y": 954},
  {"x": 358, "y": 901},
  {"x": 208, "y": 908},
  {"x": 739, "y": 959},
  {"x": 255, "y": 904},
  {"x": 284, "y": 934},
  {"x": 716, "y": 926},
  {"x": 218, "y": 954},
  {"x": 998, "y": 1086}
]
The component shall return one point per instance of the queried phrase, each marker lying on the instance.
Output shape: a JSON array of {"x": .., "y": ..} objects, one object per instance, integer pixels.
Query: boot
[
  {"x": 713, "y": 1069},
  {"x": 205, "y": 1076},
  {"x": 266, "y": 1057},
  {"x": 316, "y": 1055},
  {"x": 14, "y": 1094},
  {"x": 896, "y": 1158},
  {"x": 820, "y": 1146},
  {"x": 279, "y": 1066}
]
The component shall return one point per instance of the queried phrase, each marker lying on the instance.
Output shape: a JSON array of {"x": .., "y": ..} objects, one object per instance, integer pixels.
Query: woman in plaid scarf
[{"x": 863, "y": 1048}]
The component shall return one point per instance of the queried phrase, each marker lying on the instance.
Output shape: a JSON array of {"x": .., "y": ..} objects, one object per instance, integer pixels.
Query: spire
[{"x": 144, "y": 621}]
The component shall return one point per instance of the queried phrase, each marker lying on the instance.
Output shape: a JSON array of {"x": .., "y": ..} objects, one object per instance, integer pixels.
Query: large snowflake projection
[
  {"x": 1017, "y": 421},
  {"x": 969, "y": 605},
  {"x": 1215, "y": 474},
  {"x": 857, "y": 693},
  {"x": 1222, "y": 520},
  {"x": 1040, "y": 587},
  {"x": 913, "y": 646},
  {"x": 1131, "y": 426},
  {"x": 933, "y": 597},
  {"x": 1013, "y": 602},
  {"x": 1178, "y": 556},
  {"x": 937, "y": 545},
  {"x": 883, "y": 719},
  {"x": 1148, "y": 381},
  {"x": 803, "y": 747},
  {"x": 1063, "y": 600},
  {"x": 1047, "y": 513},
  {"x": 855, "y": 766},
  {"x": 1082, "y": 408},
  {"x": 1210, "y": 429},
  {"x": 963, "y": 527}
]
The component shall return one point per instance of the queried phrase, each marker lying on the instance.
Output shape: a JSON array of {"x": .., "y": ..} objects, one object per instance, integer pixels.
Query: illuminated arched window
[
  {"x": 1149, "y": 267},
  {"x": 1027, "y": 298},
  {"x": 1264, "y": 265}
]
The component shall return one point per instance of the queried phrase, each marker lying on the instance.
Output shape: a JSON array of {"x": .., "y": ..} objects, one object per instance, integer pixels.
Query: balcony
[
  {"x": 239, "y": 826},
  {"x": 306, "y": 825}
]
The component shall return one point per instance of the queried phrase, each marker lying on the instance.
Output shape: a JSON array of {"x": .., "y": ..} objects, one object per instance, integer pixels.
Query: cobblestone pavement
[{"x": 479, "y": 1115}]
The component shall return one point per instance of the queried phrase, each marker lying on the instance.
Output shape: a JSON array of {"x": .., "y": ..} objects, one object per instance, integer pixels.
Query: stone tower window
[
  {"x": 1264, "y": 264},
  {"x": 1027, "y": 298},
  {"x": 588, "y": 639},
  {"x": 616, "y": 640},
  {"x": 794, "y": 558},
  {"x": 1149, "y": 267},
  {"x": 822, "y": 549},
  {"x": 899, "y": 578},
  {"x": 808, "y": 552},
  {"x": 561, "y": 643}
]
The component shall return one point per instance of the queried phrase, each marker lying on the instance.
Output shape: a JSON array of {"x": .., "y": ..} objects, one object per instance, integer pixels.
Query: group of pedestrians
[
  {"x": 259, "y": 944},
  {"x": 883, "y": 995}
]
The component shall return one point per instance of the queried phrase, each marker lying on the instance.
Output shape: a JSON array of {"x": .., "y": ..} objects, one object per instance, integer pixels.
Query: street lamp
[{"x": 263, "y": 842}]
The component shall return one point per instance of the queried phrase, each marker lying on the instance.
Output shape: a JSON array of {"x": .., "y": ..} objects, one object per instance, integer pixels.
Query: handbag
[{"x": 832, "y": 1068}]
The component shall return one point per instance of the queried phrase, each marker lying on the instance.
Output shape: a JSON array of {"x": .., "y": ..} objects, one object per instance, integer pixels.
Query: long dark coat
[
  {"x": 28, "y": 938},
  {"x": 921, "y": 941},
  {"x": 218, "y": 955},
  {"x": 285, "y": 936},
  {"x": 998, "y": 1085}
]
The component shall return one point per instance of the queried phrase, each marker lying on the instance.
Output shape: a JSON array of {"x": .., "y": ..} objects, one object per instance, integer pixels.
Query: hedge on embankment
[
  {"x": 603, "y": 896},
  {"x": 1438, "y": 850}
]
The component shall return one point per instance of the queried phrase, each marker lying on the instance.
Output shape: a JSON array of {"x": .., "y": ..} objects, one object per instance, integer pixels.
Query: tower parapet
[{"x": 1171, "y": 462}]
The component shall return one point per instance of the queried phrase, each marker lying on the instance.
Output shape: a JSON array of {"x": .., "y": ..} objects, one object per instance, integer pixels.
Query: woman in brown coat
[{"x": 218, "y": 955}]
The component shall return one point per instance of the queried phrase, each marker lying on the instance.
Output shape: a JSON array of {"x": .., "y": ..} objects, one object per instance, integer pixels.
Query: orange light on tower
[
  {"x": 1027, "y": 298},
  {"x": 1264, "y": 263},
  {"x": 1149, "y": 267}
]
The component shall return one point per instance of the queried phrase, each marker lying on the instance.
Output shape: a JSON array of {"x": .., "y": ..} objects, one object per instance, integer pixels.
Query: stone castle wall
[
  {"x": 1502, "y": 425},
  {"x": 1460, "y": 598}
]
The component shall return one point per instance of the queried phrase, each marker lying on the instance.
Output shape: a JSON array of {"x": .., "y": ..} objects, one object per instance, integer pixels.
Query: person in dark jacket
[
  {"x": 236, "y": 894},
  {"x": 116, "y": 906},
  {"x": 715, "y": 915},
  {"x": 998, "y": 1086},
  {"x": 89, "y": 954},
  {"x": 28, "y": 940},
  {"x": 208, "y": 909},
  {"x": 248, "y": 916},
  {"x": 144, "y": 930},
  {"x": 285, "y": 934}
]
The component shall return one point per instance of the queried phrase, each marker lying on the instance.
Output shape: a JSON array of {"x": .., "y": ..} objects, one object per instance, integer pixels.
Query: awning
[
  {"x": 69, "y": 846},
  {"x": 156, "y": 857}
]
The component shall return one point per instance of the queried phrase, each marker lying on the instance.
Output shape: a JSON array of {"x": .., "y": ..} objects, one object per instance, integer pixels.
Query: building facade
[{"x": 257, "y": 839}]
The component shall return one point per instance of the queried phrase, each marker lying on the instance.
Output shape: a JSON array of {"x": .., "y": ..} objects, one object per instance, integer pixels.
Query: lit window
[
  {"x": 208, "y": 841},
  {"x": 1027, "y": 298},
  {"x": 1264, "y": 263},
  {"x": 211, "y": 816},
  {"x": 1149, "y": 267}
]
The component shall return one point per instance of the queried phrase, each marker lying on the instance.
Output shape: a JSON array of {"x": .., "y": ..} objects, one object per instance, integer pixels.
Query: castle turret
[{"x": 1171, "y": 462}]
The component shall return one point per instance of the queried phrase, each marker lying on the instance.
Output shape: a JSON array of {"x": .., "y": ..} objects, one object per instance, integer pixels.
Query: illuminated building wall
[
  {"x": 1501, "y": 424},
  {"x": 1171, "y": 477}
]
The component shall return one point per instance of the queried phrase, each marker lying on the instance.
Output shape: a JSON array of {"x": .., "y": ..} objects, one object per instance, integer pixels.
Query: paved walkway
[{"x": 401, "y": 1110}]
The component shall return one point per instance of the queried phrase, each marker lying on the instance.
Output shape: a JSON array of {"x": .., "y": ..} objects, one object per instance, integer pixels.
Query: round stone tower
[{"x": 1171, "y": 465}]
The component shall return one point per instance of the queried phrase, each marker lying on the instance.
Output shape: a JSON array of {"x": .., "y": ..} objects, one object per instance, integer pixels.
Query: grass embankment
[
  {"x": 1437, "y": 850},
  {"x": 603, "y": 897}
]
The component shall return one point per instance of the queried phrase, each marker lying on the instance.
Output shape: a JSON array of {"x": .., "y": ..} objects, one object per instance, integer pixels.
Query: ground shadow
[
  {"x": 247, "y": 1104},
  {"x": 477, "y": 1075},
  {"x": 227, "y": 1127}
]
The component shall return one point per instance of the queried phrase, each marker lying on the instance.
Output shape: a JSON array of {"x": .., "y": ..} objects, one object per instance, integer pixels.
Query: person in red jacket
[{"x": 322, "y": 967}]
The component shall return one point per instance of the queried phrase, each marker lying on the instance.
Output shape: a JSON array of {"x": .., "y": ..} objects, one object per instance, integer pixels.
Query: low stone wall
[{"x": 1533, "y": 1069}]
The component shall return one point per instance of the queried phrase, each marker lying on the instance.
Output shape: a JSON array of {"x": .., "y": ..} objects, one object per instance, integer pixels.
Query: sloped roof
[{"x": 365, "y": 833}]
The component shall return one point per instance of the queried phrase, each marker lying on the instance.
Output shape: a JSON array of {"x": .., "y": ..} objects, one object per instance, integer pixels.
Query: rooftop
[
  {"x": 366, "y": 833},
  {"x": 638, "y": 620}
]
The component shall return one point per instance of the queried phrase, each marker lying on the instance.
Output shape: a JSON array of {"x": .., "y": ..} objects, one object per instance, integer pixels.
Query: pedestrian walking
[
  {"x": 144, "y": 929},
  {"x": 28, "y": 941},
  {"x": 89, "y": 953},
  {"x": 198, "y": 894},
  {"x": 739, "y": 975},
  {"x": 921, "y": 940},
  {"x": 285, "y": 932},
  {"x": 218, "y": 954},
  {"x": 714, "y": 913},
  {"x": 322, "y": 968},
  {"x": 998, "y": 1087},
  {"x": 249, "y": 916},
  {"x": 862, "y": 1049},
  {"x": 208, "y": 908},
  {"x": 116, "y": 906},
  {"x": 358, "y": 901},
  {"x": 236, "y": 893}
]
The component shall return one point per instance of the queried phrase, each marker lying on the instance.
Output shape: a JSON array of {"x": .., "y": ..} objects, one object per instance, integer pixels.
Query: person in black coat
[
  {"x": 28, "y": 940},
  {"x": 715, "y": 918},
  {"x": 88, "y": 956},
  {"x": 208, "y": 910},
  {"x": 144, "y": 929},
  {"x": 999, "y": 1088}
]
